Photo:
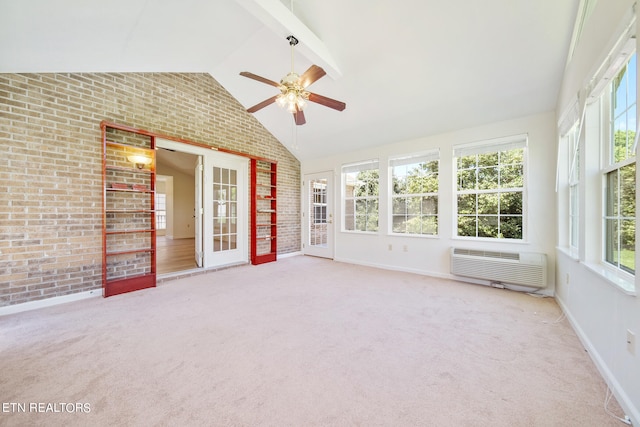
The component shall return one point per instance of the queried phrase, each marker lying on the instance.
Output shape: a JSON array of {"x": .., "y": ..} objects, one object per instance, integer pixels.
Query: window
[
  {"x": 360, "y": 185},
  {"x": 319, "y": 202},
  {"x": 414, "y": 194},
  {"x": 161, "y": 211},
  {"x": 490, "y": 188},
  {"x": 619, "y": 172},
  {"x": 573, "y": 144}
]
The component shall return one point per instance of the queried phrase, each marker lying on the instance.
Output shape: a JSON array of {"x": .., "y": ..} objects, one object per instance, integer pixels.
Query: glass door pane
[
  {"x": 225, "y": 209},
  {"x": 318, "y": 212}
]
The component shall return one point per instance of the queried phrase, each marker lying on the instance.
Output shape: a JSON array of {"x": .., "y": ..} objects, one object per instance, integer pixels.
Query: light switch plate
[{"x": 631, "y": 342}]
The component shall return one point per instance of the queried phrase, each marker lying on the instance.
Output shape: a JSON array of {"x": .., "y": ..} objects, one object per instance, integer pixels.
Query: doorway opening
[{"x": 175, "y": 215}]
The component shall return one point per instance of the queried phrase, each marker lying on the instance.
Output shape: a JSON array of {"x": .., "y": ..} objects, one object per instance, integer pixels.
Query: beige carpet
[{"x": 301, "y": 342}]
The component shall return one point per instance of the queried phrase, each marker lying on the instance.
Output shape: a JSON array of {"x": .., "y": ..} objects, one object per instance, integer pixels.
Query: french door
[
  {"x": 229, "y": 214},
  {"x": 318, "y": 214}
]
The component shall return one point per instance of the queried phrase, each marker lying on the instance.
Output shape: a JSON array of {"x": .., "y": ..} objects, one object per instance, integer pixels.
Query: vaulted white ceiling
[{"x": 405, "y": 69}]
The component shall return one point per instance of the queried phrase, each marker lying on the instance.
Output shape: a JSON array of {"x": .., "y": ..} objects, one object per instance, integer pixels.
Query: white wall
[
  {"x": 430, "y": 255},
  {"x": 598, "y": 310}
]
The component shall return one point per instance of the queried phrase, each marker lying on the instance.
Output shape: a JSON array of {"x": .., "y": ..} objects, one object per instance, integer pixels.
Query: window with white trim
[
  {"x": 491, "y": 188},
  {"x": 619, "y": 169},
  {"x": 414, "y": 193},
  {"x": 161, "y": 211},
  {"x": 360, "y": 191}
]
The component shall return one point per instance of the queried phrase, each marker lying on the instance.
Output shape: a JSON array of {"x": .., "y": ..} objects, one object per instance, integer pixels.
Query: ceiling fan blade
[
  {"x": 262, "y": 104},
  {"x": 298, "y": 116},
  {"x": 311, "y": 75},
  {"x": 327, "y": 102},
  {"x": 260, "y": 79}
]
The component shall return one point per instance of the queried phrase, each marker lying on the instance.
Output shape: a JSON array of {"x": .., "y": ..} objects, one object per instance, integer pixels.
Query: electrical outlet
[
  {"x": 405, "y": 248},
  {"x": 568, "y": 278},
  {"x": 631, "y": 342},
  {"x": 390, "y": 247}
]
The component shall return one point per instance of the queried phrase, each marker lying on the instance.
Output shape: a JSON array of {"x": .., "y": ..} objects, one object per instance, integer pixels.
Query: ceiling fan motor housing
[{"x": 290, "y": 79}]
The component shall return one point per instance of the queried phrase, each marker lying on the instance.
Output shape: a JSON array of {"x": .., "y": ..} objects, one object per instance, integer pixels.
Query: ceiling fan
[{"x": 293, "y": 90}]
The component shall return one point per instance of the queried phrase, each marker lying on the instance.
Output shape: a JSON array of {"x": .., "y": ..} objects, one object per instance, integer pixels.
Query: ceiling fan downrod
[{"x": 292, "y": 42}]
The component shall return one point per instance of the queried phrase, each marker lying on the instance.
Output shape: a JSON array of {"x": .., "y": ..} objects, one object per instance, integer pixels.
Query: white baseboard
[
  {"x": 545, "y": 291},
  {"x": 33, "y": 305},
  {"x": 628, "y": 406},
  {"x": 396, "y": 268},
  {"x": 289, "y": 255}
]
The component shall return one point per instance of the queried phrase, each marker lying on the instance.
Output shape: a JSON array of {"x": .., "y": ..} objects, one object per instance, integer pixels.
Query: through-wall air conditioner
[{"x": 517, "y": 268}]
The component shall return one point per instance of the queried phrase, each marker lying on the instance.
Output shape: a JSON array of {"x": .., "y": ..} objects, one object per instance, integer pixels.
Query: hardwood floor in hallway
[{"x": 174, "y": 254}]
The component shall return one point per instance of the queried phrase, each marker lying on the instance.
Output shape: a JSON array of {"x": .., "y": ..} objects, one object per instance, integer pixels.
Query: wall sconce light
[{"x": 139, "y": 160}]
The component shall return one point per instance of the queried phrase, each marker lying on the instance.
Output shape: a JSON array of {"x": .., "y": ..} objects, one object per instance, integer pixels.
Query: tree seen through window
[{"x": 490, "y": 193}]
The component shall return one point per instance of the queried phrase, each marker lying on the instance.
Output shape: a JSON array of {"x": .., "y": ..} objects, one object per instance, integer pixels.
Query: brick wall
[{"x": 51, "y": 166}]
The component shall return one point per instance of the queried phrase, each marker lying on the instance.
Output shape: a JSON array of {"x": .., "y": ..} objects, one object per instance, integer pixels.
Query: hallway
[{"x": 174, "y": 255}]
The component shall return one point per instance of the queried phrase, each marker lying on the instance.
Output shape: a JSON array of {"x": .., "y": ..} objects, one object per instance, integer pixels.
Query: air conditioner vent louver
[
  {"x": 487, "y": 254},
  {"x": 518, "y": 268}
]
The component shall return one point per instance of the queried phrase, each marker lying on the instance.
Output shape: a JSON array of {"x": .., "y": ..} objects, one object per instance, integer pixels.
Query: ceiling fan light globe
[
  {"x": 291, "y": 107},
  {"x": 281, "y": 100},
  {"x": 291, "y": 96}
]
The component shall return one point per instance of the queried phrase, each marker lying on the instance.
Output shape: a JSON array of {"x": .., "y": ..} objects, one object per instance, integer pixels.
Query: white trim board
[
  {"x": 48, "y": 302},
  {"x": 289, "y": 255}
]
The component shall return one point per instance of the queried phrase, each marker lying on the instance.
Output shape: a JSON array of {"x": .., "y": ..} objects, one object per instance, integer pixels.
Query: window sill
[
  {"x": 571, "y": 253},
  {"x": 364, "y": 233},
  {"x": 490, "y": 240},
  {"x": 624, "y": 285},
  {"x": 419, "y": 236}
]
